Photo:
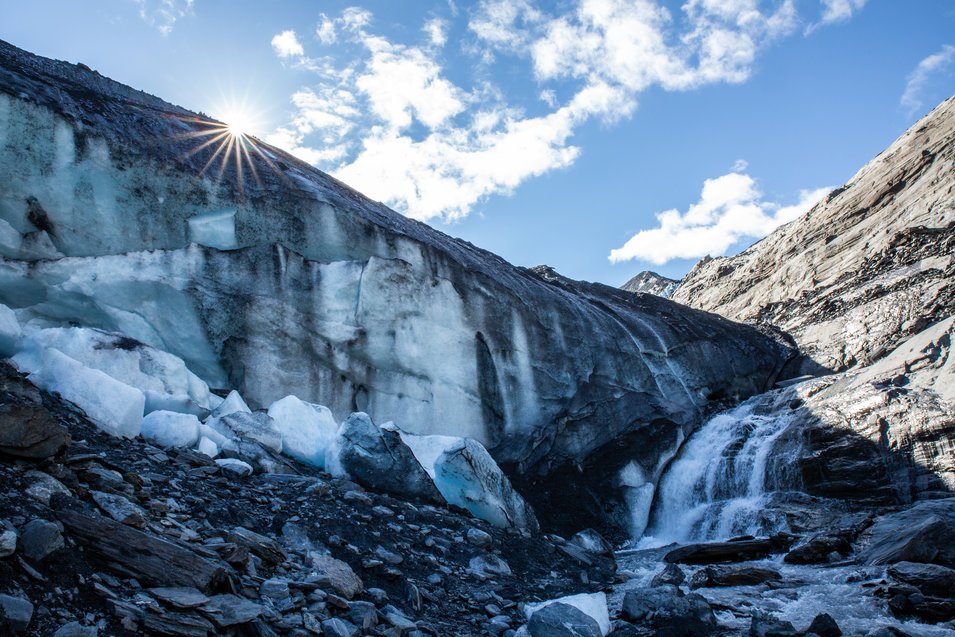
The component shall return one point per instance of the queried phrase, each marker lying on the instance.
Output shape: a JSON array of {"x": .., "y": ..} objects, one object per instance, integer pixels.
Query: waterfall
[{"x": 717, "y": 486}]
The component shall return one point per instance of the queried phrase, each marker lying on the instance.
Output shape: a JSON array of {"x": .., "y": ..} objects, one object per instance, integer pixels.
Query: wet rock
[
  {"x": 337, "y": 575},
  {"x": 591, "y": 541},
  {"x": 671, "y": 574},
  {"x": 120, "y": 509},
  {"x": 923, "y": 533},
  {"x": 15, "y": 613},
  {"x": 562, "y": 620},
  {"x": 824, "y": 626},
  {"x": 930, "y": 579},
  {"x": 180, "y": 596},
  {"x": 30, "y": 431},
  {"x": 39, "y": 538},
  {"x": 733, "y": 576},
  {"x": 230, "y": 610},
  {"x": 669, "y": 612},
  {"x": 764, "y": 625},
  {"x": 820, "y": 549},
  {"x": 378, "y": 459},
  {"x": 716, "y": 552}
]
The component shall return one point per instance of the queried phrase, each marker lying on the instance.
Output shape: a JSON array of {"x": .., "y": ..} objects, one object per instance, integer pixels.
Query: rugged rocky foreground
[{"x": 108, "y": 537}]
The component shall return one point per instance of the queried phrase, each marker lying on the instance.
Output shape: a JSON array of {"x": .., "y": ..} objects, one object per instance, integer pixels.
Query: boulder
[
  {"x": 336, "y": 575},
  {"x": 765, "y": 625},
  {"x": 39, "y": 538},
  {"x": 740, "y": 551},
  {"x": 667, "y": 611},
  {"x": 671, "y": 574},
  {"x": 30, "y": 431},
  {"x": 824, "y": 626},
  {"x": 820, "y": 549},
  {"x": 562, "y": 620},
  {"x": 378, "y": 459},
  {"x": 733, "y": 576},
  {"x": 930, "y": 579},
  {"x": 120, "y": 509},
  {"x": 922, "y": 533},
  {"x": 15, "y": 613}
]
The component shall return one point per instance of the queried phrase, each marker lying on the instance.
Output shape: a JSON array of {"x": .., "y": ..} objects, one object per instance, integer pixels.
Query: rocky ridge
[{"x": 648, "y": 282}]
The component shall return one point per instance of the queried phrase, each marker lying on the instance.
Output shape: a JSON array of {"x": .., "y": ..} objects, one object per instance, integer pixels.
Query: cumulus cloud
[
  {"x": 836, "y": 11},
  {"x": 394, "y": 124},
  {"x": 921, "y": 77},
  {"x": 730, "y": 209},
  {"x": 163, "y": 14},
  {"x": 286, "y": 45}
]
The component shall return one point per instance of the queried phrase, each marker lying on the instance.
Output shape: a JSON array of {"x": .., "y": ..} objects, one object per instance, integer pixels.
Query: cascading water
[{"x": 717, "y": 486}]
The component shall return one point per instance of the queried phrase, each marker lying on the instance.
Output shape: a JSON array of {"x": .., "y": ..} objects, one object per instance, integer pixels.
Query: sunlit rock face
[
  {"x": 270, "y": 277},
  {"x": 871, "y": 265}
]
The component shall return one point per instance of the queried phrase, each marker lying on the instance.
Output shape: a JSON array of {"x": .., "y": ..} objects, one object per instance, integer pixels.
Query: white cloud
[
  {"x": 922, "y": 75},
  {"x": 393, "y": 123},
  {"x": 163, "y": 14},
  {"x": 286, "y": 45},
  {"x": 731, "y": 208},
  {"x": 836, "y": 11}
]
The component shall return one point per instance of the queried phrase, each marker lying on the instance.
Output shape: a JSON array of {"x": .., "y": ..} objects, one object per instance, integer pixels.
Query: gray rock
[
  {"x": 29, "y": 431},
  {"x": 76, "y": 629},
  {"x": 43, "y": 486},
  {"x": 930, "y": 579},
  {"x": 120, "y": 509},
  {"x": 257, "y": 426},
  {"x": 764, "y": 625},
  {"x": 924, "y": 532},
  {"x": 733, "y": 576},
  {"x": 647, "y": 282},
  {"x": 180, "y": 596},
  {"x": 230, "y": 610},
  {"x": 479, "y": 538},
  {"x": 15, "y": 613},
  {"x": 39, "y": 538},
  {"x": 266, "y": 548},
  {"x": 337, "y": 575},
  {"x": 669, "y": 612},
  {"x": 489, "y": 565},
  {"x": 276, "y": 591},
  {"x": 378, "y": 459},
  {"x": 592, "y": 542},
  {"x": 336, "y": 627},
  {"x": 8, "y": 543},
  {"x": 824, "y": 626},
  {"x": 671, "y": 574},
  {"x": 562, "y": 620},
  {"x": 363, "y": 614},
  {"x": 234, "y": 468}
]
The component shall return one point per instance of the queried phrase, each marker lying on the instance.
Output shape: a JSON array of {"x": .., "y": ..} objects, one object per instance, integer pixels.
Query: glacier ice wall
[{"x": 292, "y": 283}]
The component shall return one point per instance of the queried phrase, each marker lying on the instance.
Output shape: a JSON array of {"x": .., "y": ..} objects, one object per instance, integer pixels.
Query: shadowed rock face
[
  {"x": 303, "y": 286},
  {"x": 870, "y": 265}
]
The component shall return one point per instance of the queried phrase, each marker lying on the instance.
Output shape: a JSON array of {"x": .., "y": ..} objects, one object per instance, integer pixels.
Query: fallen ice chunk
[
  {"x": 173, "y": 387},
  {"x": 9, "y": 331},
  {"x": 235, "y": 466},
  {"x": 592, "y": 604},
  {"x": 232, "y": 404},
  {"x": 206, "y": 430},
  {"x": 214, "y": 229},
  {"x": 308, "y": 431},
  {"x": 208, "y": 447},
  {"x": 115, "y": 407},
  {"x": 171, "y": 429},
  {"x": 258, "y": 426},
  {"x": 467, "y": 476}
]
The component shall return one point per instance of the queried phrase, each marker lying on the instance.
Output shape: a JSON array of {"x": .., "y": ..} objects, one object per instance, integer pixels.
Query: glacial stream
[{"x": 725, "y": 482}]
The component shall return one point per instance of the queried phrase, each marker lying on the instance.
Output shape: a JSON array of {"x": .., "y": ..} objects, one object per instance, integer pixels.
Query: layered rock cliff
[
  {"x": 270, "y": 277},
  {"x": 869, "y": 266}
]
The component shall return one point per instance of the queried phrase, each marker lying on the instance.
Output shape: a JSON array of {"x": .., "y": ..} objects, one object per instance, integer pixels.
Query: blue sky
[{"x": 602, "y": 137}]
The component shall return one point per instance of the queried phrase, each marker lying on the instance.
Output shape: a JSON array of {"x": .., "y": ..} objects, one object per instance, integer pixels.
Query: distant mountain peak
[{"x": 648, "y": 282}]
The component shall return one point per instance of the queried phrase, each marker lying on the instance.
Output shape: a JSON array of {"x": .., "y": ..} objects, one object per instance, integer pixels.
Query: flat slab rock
[
  {"x": 231, "y": 610},
  {"x": 722, "y": 552},
  {"x": 151, "y": 560},
  {"x": 181, "y": 596}
]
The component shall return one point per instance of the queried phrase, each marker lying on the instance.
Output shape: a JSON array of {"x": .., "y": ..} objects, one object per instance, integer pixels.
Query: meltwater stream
[{"x": 717, "y": 486}]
